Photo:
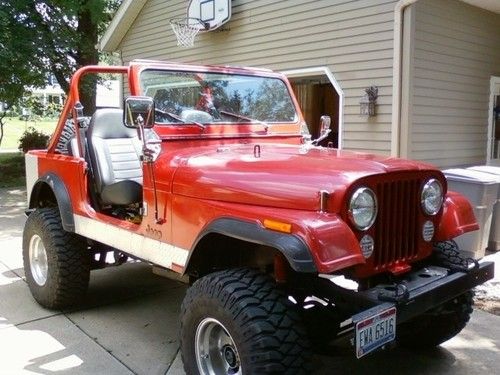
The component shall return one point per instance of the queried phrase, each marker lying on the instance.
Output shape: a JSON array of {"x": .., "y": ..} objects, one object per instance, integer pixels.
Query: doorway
[
  {"x": 318, "y": 94},
  {"x": 494, "y": 122}
]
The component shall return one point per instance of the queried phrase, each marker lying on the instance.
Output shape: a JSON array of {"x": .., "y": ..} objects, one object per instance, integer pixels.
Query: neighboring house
[
  {"x": 51, "y": 93},
  {"x": 107, "y": 93},
  {"x": 436, "y": 64}
]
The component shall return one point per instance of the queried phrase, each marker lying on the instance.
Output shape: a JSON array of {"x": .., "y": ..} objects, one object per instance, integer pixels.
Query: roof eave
[
  {"x": 489, "y": 5},
  {"x": 120, "y": 24}
]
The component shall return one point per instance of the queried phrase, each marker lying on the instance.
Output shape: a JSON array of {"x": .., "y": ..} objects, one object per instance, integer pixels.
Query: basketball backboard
[{"x": 213, "y": 13}]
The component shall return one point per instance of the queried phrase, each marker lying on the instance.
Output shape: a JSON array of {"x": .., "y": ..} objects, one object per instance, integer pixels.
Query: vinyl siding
[
  {"x": 353, "y": 38},
  {"x": 456, "y": 50}
]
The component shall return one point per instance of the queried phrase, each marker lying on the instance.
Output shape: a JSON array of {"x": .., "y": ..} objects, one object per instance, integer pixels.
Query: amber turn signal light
[{"x": 278, "y": 226}]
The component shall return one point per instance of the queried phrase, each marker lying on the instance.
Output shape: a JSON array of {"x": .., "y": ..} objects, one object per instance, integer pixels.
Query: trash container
[
  {"x": 481, "y": 189},
  {"x": 494, "y": 240}
]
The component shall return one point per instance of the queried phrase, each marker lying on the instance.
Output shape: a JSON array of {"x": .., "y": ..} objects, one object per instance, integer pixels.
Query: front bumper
[
  {"x": 364, "y": 314},
  {"x": 412, "y": 294},
  {"x": 422, "y": 290}
]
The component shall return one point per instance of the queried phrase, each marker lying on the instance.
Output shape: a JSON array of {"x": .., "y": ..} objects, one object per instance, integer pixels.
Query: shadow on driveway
[{"x": 127, "y": 324}]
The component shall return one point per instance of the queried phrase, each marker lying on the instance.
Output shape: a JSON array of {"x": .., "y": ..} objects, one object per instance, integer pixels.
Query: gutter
[{"x": 396, "y": 74}]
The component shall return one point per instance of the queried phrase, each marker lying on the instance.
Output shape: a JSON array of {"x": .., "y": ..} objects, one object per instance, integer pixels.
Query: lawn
[
  {"x": 12, "y": 163},
  {"x": 14, "y": 128},
  {"x": 12, "y": 169}
]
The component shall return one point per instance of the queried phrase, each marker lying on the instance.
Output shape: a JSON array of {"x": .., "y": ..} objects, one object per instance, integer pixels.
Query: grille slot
[{"x": 396, "y": 234}]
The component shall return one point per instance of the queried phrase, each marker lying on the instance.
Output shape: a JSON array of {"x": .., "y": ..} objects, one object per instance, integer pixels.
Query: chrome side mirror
[
  {"x": 324, "y": 124},
  {"x": 139, "y": 111}
]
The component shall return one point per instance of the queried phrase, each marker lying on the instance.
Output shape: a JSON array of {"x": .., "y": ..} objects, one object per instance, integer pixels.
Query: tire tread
[
  {"x": 268, "y": 323},
  {"x": 68, "y": 280}
]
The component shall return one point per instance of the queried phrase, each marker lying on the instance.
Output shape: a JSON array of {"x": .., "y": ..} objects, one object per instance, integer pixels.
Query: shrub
[{"x": 33, "y": 139}]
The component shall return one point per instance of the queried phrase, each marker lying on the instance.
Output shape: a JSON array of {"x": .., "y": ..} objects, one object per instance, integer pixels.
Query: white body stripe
[
  {"x": 154, "y": 251},
  {"x": 31, "y": 162}
]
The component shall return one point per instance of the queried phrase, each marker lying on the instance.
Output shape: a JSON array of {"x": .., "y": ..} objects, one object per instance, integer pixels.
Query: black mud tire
[
  {"x": 438, "y": 325},
  {"x": 267, "y": 331},
  {"x": 68, "y": 261}
]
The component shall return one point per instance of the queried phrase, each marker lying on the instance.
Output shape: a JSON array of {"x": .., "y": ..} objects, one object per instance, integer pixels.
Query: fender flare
[
  {"x": 62, "y": 198},
  {"x": 458, "y": 217},
  {"x": 291, "y": 246}
]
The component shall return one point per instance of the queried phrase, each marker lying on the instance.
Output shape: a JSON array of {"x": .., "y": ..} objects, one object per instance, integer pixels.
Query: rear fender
[
  {"x": 458, "y": 217},
  {"x": 51, "y": 182}
]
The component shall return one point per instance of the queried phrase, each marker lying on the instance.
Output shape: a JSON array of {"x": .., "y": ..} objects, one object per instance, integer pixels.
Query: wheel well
[
  {"x": 42, "y": 196},
  {"x": 217, "y": 251}
]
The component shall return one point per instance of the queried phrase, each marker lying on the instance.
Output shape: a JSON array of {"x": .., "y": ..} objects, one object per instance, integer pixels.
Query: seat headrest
[{"x": 108, "y": 123}]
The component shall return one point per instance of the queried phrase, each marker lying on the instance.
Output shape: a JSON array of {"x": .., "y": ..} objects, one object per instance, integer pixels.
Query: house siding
[
  {"x": 455, "y": 51},
  {"x": 354, "y": 39}
]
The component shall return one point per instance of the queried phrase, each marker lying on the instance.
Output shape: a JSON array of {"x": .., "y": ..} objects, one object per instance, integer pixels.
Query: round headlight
[
  {"x": 363, "y": 208},
  {"x": 432, "y": 197}
]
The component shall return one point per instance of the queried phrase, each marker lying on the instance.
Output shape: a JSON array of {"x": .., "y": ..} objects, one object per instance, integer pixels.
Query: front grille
[
  {"x": 397, "y": 231},
  {"x": 396, "y": 227}
]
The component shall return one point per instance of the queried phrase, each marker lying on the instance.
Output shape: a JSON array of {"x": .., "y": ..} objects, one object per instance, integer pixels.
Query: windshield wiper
[
  {"x": 178, "y": 119},
  {"x": 245, "y": 118}
]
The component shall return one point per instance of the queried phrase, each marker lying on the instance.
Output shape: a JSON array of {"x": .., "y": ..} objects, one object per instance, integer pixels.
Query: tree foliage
[
  {"x": 53, "y": 37},
  {"x": 18, "y": 69}
]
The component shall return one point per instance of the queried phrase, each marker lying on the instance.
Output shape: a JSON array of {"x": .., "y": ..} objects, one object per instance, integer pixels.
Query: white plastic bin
[
  {"x": 481, "y": 189},
  {"x": 494, "y": 240}
]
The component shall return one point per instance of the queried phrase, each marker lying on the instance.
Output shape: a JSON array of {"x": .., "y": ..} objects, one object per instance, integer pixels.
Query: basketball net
[{"x": 186, "y": 29}]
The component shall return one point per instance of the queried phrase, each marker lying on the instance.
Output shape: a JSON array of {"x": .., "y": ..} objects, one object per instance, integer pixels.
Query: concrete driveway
[{"x": 129, "y": 324}]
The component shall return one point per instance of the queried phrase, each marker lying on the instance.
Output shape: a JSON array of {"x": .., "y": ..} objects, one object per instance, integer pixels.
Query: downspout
[{"x": 397, "y": 69}]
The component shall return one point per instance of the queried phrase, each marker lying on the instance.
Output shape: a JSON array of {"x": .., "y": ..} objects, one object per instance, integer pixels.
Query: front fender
[
  {"x": 333, "y": 244},
  {"x": 458, "y": 217},
  {"x": 321, "y": 243}
]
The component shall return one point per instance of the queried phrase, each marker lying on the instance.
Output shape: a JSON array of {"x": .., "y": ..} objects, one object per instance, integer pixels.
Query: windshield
[{"x": 183, "y": 97}]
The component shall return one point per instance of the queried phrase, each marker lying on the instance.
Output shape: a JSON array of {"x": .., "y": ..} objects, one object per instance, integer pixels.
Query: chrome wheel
[
  {"x": 216, "y": 353},
  {"x": 38, "y": 260}
]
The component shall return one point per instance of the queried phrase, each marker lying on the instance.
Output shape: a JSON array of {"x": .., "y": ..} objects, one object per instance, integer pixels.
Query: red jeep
[{"x": 287, "y": 244}]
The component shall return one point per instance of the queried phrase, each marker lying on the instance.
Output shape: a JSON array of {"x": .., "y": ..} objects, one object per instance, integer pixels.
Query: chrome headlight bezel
[
  {"x": 430, "y": 186},
  {"x": 353, "y": 217}
]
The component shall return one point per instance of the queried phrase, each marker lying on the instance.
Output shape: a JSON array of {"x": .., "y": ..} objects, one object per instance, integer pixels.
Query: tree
[
  {"x": 17, "y": 66},
  {"x": 63, "y": 34}
]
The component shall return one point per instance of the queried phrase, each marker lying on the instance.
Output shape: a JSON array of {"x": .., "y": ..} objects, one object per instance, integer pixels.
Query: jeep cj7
[{"x": 205, "y": 172}]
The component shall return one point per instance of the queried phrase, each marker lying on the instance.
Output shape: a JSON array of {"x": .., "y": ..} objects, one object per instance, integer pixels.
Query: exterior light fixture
[{"x": 368, "y": 102}]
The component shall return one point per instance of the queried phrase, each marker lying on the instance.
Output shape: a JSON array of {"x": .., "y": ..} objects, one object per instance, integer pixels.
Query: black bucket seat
[{"x": 114, "y": 152}]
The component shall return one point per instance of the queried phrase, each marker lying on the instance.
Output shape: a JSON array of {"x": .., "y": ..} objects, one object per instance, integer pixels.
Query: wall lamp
[{"x": 367, "y": 104}]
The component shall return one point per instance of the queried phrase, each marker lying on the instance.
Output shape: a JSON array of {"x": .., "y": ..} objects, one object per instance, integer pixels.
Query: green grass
[
  {"x": 12, "y": 170},
  {"x": 14, "y": 128}
]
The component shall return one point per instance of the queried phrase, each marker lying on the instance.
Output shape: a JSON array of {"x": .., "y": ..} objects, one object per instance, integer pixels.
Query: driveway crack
[
  {"x": 100, "y": 345},
  {"x": 173, "y": 360}
]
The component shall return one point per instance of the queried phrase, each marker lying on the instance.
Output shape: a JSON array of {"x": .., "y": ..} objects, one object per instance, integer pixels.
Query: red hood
[{"x": 281, "y": 176}]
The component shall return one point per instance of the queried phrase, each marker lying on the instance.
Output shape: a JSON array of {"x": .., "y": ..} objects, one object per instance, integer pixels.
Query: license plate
[{"x": 375, "y": 331}]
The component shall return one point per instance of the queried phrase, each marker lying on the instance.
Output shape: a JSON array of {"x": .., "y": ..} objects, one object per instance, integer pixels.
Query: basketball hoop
[{"x": 186, "y": 29}]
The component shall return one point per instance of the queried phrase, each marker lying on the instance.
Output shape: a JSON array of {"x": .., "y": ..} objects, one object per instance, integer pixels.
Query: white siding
[
  {"x": 456, "y": 50},
  {"x": 353, "y": 38}
]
